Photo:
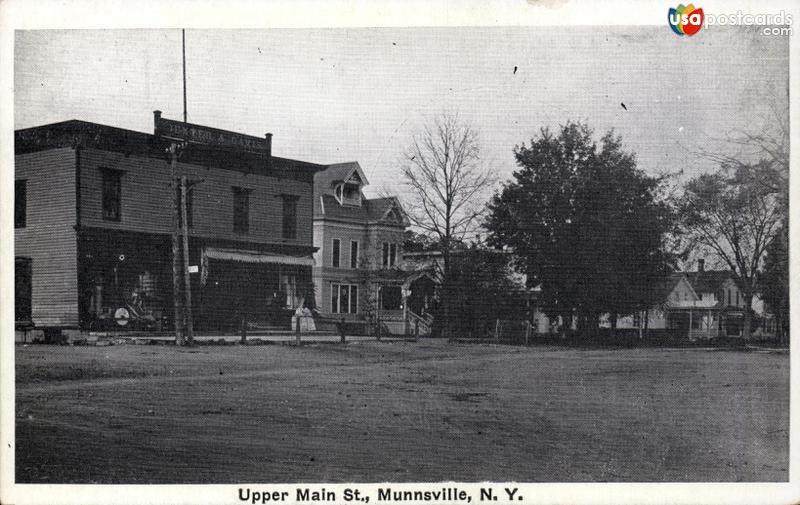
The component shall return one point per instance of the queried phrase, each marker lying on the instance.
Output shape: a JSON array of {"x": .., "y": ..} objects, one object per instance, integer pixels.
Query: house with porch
[
  {"x": 359, "y": 274},
  {"x": 699, "y": 304}
]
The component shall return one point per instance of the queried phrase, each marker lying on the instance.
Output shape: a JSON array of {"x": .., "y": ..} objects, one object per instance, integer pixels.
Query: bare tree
[
  {"x": 448, "y": 185},
  {"x": 768, "y": 147}
]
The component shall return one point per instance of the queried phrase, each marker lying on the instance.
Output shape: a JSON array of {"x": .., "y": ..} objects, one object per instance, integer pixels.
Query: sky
[{"x": 336, "y": 95}]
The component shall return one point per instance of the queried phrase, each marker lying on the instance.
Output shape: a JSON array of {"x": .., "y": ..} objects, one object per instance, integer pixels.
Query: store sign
[{"x": 210, "y": 136}]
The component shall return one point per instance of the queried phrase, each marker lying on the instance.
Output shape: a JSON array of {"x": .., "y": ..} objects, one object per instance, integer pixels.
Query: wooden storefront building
[{"x": 94, "y": 218}]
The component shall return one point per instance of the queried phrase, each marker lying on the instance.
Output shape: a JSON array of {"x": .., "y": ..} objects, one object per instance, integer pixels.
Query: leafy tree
[
  {"x": 774, "y": 282},
  {"x": 417, "y": 242},
  {"x": 585, "y": 224},
  {"x": 487, "y": 291}
]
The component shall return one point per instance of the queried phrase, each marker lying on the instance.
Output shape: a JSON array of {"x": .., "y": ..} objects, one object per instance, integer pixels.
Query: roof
[
  {"x": 371, "y": 210},
  {"x": 708, "y": 281},
  {"x": 77, "y": 133},
  {"x": 665, "y": 288},
  {"x": 325, "y": 180}
]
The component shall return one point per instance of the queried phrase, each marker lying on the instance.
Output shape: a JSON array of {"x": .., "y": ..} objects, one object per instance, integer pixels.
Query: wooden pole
[
  {"x": 183, "y": 51},
  {"x": 297, "y": 330},
  {"x": 176, "y": 280},
  {"x": 527, "y": 332},
  {"x": 187, "y": 285}
]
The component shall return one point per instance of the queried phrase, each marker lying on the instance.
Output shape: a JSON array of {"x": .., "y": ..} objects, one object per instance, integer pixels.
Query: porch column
[{"x": 690, "y": 323}]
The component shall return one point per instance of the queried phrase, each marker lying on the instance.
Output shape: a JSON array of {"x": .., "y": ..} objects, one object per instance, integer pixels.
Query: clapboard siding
[
  {"x": 49, "y": 237},
  {"x": 146, "y": 199}
]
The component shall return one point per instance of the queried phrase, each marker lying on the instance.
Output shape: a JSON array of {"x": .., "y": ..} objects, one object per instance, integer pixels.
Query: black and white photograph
[{"x": 398, "y": 260}]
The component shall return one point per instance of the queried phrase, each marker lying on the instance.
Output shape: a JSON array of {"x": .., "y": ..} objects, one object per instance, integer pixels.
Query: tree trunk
[
  {"x": 446, "y": 290},
  {"x": 748, "y": 315},
  {"x": 646, "y": 322}
]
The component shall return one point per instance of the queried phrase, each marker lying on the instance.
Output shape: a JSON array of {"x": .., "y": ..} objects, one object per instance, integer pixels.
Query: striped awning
[{"x": 256, "y": 257}]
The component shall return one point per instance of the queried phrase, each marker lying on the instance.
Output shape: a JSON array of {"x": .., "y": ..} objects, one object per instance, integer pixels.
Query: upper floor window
[
  {"x": 112, "y": 194},
  {"x": 20, "y": 204},
  {"x": 290, "y": 216},
  {"x": 336, "y": 253},
  {"x": 349, "y": 191},
  {"x": 389, "y": 254},
  {"x": 353, "y": 254},
  {"x": 241, "y": 210}
]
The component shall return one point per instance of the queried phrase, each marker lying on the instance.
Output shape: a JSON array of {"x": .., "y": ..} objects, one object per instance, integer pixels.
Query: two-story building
[
  {"x": 357, "y": 272},
  {"x": 699, "y": 304},
  {"x": 95, "y": 214}
]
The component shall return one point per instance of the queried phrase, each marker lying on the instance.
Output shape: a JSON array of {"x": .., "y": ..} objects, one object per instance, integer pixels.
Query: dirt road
[{"x": 402, "y": 411}]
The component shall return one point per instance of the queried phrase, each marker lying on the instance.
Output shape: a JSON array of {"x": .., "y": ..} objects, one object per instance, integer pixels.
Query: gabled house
[
  {"x": 357, "y": 266},
  {"x": 700, "y": 304}
]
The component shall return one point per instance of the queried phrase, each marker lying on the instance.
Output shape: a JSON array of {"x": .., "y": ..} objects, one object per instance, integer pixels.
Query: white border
[{"x": 39, "y": 14}]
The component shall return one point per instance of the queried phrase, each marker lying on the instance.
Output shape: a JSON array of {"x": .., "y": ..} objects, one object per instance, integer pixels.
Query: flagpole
[{"x": 183, "y": 47}]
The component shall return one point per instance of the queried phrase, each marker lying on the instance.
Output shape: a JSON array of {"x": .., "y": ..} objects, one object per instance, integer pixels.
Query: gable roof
[
  {"x": 379, "y": 209},
  {"x": 326, "y": 180},
  {"x": 668, "y": 285}
]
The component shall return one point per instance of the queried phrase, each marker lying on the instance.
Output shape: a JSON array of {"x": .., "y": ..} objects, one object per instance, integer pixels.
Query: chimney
[
  {"x": 268, "y": 146},
  {"x": 701, "y": 265},
  {"x": 156, "y": 119}
]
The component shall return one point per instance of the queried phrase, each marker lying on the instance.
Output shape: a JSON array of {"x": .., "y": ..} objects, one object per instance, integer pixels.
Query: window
[
  {"x": 336, "y": 252},
  {"x": 389, "y": 254},
  {"x": 112, "y": 194},
  {"x": 290, "y": 216},
  {"x": 729, "y": 297},
  {"x": 20, "y": 204},
  {"x": 353, "y": 254},
  {"x": 351, "y": 194},
  {"x": 737, "y": 297},
  {"x": 241, "y": 210},
  {"x": 344, "y": 298}
]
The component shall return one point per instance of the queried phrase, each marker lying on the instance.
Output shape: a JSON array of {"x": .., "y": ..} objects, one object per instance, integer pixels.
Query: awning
[{"x": 255, "y": 257}]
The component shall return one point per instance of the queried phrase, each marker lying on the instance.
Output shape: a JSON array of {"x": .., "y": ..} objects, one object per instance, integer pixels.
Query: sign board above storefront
[{"x": 199, "y": 134}]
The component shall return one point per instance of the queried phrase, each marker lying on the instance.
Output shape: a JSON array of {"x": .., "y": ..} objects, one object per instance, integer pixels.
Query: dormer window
[
  {"x": 349, "y": 191},
  {"x": 351, "y": 194}
]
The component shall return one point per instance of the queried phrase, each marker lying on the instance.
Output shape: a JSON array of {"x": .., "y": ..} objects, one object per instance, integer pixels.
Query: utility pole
[
  {"x": 183, "y": 51},
  {"x": 176, "y": 280},
  {"x": 187, "y": 286}
]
